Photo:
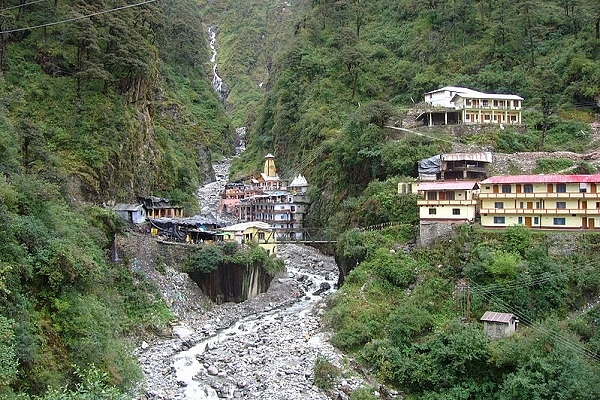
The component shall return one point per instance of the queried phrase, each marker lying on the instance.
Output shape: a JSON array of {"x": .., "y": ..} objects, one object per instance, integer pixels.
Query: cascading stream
[{"x": 217, "y": 81}]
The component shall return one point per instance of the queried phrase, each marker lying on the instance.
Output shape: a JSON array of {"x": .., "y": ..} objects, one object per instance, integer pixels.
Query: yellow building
[
  {"x": 541, "y": 201},
  {"x": 458, "y": 105},
  {"x": 258, "y": 232},
  {"x": 447, "y": 201}
]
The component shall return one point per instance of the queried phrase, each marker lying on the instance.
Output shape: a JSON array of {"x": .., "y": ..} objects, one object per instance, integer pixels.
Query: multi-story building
[
  {"x": 457, "y": 105},
  {"x": 452, "y": 201},
  {"x": 271, "y": 200},
  {"x": 285, "y": 211},
  {"x": 541, "y": 201}
]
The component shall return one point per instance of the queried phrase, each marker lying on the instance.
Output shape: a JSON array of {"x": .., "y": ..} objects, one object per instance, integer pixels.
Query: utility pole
[
  {"x": 468, "y": 302},
  {"x": 464, "y": 297}
]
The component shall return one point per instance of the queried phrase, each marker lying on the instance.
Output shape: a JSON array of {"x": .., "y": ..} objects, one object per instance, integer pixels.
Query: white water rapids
[{"x": 248, "y": 340}]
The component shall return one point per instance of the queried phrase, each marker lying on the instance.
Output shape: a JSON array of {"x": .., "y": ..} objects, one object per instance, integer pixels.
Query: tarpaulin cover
[{"x": 431, "y": 165}]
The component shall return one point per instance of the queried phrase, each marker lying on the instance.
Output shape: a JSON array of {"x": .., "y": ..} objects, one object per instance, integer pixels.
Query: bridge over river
[{"x": 322, "y": 235}]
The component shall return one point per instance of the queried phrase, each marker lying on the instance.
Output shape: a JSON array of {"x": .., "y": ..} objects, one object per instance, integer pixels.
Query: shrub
[
  {"x": 549, "y": 165},
  {"x": 325, "y": 373},
  {"x": 206, "y": 260}
]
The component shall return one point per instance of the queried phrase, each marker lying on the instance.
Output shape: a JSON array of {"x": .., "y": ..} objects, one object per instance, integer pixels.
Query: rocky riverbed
[{"x": 264, "y": 348}]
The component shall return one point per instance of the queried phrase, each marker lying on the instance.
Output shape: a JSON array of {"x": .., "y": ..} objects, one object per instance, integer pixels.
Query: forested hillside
[
  {"x": 103, "y": 101},
  {"x": 100, "y": 102},
  {"x": 350, "y": 67}
]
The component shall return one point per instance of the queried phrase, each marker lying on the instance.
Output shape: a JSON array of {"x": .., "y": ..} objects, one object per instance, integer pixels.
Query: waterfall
[{"x": 217, "y": 82}]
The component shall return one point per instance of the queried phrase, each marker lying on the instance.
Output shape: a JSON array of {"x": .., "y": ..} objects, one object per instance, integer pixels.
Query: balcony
[
  {"x": 446, "y": 202},
  {"x": 484, "y": 108},
  {"x": 540, "y": 195},
  {"x": 540, "y": 211}
]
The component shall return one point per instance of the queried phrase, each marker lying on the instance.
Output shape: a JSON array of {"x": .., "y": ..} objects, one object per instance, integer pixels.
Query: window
[
  {"x": 486, "y": 117},
  {"x": 432, "y": 211},
  {"x": 520, "y": 204},
  {"x": 561, "y": 188},
  {"x": 456, "y": 211},
  {"x": 536, "y": 220},
  {"x": 513, "y": 118},
  {"x": 499, "y": 204},
  {"x": 559, "y": 221},
  {"x": 484, "y": 103},
  {"x": 561, "y": 205},
  {"x": 506, "y": 189},
  {"x": 431, "y": 195},
  {"x": 261, "y": 235},
  {"x": 516, "y": 103},
  {"x": 528, "y": 188},
  {"x": 495, "y": 103},
  {"x": 498, "y": 220},
  {"x": 582, "y": 187},
  {"x": 520, "y": 220}
]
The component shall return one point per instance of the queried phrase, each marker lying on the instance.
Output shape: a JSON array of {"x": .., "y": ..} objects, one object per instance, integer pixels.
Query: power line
[
  {"x": 77, "y": 18},
  {"x": 527, "y": 320},
  {"x": 23, "y": 5}
]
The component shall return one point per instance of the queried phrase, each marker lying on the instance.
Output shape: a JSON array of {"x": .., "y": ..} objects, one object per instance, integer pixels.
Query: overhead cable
[
  {"x": 22, "y": 5},
  {"x": 77, "y": 18}
]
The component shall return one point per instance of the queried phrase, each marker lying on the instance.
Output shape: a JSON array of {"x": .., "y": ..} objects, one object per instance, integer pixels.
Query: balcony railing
[
  {"x": 540, "y": 195},
  {"x": 540, "y": 211}
]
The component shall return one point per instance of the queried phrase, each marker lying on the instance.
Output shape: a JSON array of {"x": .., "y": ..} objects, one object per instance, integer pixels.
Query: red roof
[
  {"x": 497, "y": 317},
  {"x": 543, "y": 179},
  {"x": 447, "y": 185}
]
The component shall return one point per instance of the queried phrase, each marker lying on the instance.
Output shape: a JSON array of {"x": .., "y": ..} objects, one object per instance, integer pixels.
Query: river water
[{"x": 263, "y": 348}]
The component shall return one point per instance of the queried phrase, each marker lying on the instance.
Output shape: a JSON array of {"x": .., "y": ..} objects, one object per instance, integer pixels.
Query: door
[
  {"x": 495, "y": 188},
  {"x": 528, "y": 222},
  {"x": 583, "y": 204},
  {"x": 530, "y": 205},
  {"x": 584, "y": 223},
  {"x": 591, "y": 223}
]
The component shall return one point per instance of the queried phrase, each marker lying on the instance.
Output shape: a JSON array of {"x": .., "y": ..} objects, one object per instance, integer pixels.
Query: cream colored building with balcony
[
  {"x": 452, "y": 201},
  {"x": 541, "y": 201},
  {"x": 458, "y": 105}
]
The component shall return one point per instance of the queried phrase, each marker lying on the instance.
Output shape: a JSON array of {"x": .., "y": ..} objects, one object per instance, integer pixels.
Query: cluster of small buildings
[
  {"x": 267, "y": 208},
  {"x": 534, "y": 201},
  {"x": 270, "y": 200}
]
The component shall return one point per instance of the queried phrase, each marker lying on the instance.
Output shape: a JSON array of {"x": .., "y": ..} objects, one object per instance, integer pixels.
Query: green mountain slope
[
  {"x": 93, "y": 109},
  {"x": 349, "y": 67}
]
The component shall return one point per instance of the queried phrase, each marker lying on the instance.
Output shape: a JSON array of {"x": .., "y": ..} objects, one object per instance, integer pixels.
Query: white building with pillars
[{"x": 458, "y": 105}]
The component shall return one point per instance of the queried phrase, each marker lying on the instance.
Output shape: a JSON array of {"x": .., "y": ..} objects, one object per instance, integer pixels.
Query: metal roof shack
[
  {"x": 448, "y": 185},
  {"x": 497, "y": 317},
  {"x": 595, "y": 178},
  {"x": 498, "y": 325}
]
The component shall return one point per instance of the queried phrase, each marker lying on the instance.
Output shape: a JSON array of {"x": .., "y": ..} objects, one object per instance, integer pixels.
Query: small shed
[
  {"x": 498, "y": 325},
  {"x": 134, "y": 213}
]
